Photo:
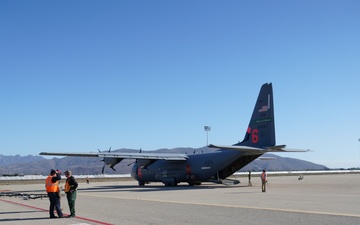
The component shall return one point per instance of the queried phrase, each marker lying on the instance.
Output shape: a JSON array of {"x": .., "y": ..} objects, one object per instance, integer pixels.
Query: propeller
[{"x": 102, "y": 171}]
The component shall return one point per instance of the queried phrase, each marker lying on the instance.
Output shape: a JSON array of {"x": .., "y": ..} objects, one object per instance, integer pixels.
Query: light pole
[{"x": 207, "y": 129}]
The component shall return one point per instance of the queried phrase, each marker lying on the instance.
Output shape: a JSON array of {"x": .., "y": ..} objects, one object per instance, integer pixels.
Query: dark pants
[
  {"x": 71, "y": 197},
  {"x": 263, "y": 185},
  {"x": 54, "y": 203}
]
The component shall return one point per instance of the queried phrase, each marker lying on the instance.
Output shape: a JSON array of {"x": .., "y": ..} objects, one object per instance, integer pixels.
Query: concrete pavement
[{"x": 317, "y": 199}]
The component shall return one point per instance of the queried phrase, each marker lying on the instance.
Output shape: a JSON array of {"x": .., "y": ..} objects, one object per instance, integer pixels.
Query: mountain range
[{"x": 38, "y": 165}]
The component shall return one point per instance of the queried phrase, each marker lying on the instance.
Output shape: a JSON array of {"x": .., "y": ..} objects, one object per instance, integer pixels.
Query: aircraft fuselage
[{"x": 196, "y": 169}]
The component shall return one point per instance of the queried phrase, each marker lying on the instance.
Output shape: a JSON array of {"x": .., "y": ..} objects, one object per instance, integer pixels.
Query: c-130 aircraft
[{"x": 173, "y": 168}]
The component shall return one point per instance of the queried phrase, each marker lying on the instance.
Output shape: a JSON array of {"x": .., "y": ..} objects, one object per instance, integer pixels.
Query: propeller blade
[
  {"x": 102, "y": 171},
  {"x": 103, "y": 160}
]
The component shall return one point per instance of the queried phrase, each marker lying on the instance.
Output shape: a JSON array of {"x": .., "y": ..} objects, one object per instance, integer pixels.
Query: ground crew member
[
  {"x": 263, "y": 181},
  {"x": 70, "y": 190},
  {"x": 249, "y": 184},
  {"x": 52, "y": 189}
]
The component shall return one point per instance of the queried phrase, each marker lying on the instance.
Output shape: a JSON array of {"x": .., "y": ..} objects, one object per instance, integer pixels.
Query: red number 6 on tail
[{"x": 254, "y": 136}]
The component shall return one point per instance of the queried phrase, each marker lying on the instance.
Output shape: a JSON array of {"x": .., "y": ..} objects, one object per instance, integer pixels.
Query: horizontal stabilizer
[
  {"x": 236, "y": 147},
  {"x": 277, "y": 148},
  {"x": 266, "y": 158},
  {"x": 282, "y": 148}
]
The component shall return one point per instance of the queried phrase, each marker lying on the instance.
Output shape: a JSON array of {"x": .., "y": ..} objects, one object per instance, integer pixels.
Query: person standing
[
  {"x": 249, "y": 184},
  {"x": 52, "y": 189},
  {"x": 263, "y": 181},
  {"x": 70, "y": 190}
]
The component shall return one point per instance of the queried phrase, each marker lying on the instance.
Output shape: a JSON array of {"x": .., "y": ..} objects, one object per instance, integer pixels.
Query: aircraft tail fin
[{"x": 261, "y": 129}]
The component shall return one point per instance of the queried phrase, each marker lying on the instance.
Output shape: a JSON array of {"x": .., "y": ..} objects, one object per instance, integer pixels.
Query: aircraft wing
[
  {"x": 123, "y": 155},
  {"x": 277, "y": 148}
]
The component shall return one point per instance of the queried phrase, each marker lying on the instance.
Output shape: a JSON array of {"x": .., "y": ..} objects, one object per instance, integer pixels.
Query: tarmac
[{"x": 316, "y": 199}]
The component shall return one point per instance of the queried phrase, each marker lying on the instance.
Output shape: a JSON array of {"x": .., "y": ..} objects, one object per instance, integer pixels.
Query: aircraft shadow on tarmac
[
  {"x": 152, "y": 188},
  {"x": 23, "y": 219},
  {"x": 15, "y": 212}
]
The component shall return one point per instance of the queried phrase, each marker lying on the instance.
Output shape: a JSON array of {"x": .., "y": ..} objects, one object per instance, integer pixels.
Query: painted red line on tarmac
[
  {"x": 45, "y": 210},
  {"x": 93, "y": 221},
  {"x": 29, "y": 206}
]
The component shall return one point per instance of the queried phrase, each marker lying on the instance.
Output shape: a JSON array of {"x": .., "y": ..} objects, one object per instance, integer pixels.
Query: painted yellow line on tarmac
[{"x": 224, "y": 205}]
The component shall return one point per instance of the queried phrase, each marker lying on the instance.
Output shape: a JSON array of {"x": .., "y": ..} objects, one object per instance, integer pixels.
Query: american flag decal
[{"x": 264, "y": 108}]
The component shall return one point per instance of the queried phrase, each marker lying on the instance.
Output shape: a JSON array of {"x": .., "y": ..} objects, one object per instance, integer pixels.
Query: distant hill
[
  {"x": 28, "y": 165},
  {"x": 7, "y": 160}
]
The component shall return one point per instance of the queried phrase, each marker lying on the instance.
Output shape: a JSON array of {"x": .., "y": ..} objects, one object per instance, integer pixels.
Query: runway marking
[
  {"x": 29, "y": 206},
  {"x": 46, "y": 210},
  {"x": 230, "y": 206}
]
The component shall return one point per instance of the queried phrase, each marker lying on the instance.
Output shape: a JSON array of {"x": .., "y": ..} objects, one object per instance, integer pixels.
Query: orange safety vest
[
  {"x": 67, "y": 187},
  {"x": 263, "y": 176},
  {"x": 50, "y": 186}
]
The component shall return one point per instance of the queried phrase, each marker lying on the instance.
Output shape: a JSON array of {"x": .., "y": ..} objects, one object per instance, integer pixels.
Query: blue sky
[{"x": 86, "y": 75}]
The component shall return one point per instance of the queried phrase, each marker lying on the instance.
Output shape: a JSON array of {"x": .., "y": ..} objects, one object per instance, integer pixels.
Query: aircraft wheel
[
  {"x": 141, "y": 183},
  {"x": 172, "y": 184}
]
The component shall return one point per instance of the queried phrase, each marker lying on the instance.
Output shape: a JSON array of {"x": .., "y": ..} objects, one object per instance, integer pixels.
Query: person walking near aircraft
[
  {"x": 52, "y": 189},
  {"x": 249, "y": 184},
  {"x": 263, "y": 181},
  {"x": 70, "y": 190}
]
